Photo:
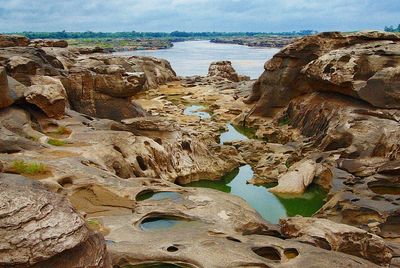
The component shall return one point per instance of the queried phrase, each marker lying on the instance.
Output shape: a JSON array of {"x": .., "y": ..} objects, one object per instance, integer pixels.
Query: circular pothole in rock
[
  {"x": 291, "y": 253},
  {"x": 172, "y": 249},
  {"x": 233, "y": 239},
  {"x": 150, "y": 195},
  {"x": 269, "y": 253},
  {"x": 66, "y": 182},
  {"x": 141, "y": 162},
  {"x": 162, "y": 222}
]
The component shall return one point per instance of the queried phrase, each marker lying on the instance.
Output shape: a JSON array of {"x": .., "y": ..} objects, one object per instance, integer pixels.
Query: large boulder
[
  {"x": 362, "y": 65},
  {"x": 13, "y": 41},
  {"x": 102, "y": 85},
  {"x": 48, "y": 94},
  {"x": 37, "y": 225},
  {"x": 23, "y": 62},
  {"x": 97, "y": 89},
  {"x": 10, "y": 89},
  {"x": 157, "y": 71},
  {"x": 296, "y": 180},
  {"x": 338, "y": 237},
  {"x": 223, "y": 69}
]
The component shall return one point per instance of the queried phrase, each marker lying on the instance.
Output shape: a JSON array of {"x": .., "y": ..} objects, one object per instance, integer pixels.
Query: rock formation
[
  {"x": 36, "y": 225},
  {"x": 13, "y": 41},
  {"x": 95, "y": 149},
  {"x": 223, "y": 69},
  {"x": 338, "y": 237},
  {"x": 362, "y": 66}
]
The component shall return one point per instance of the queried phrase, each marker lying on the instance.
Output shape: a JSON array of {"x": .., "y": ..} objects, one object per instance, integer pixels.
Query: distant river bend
[{"x": 194, "y": 57}]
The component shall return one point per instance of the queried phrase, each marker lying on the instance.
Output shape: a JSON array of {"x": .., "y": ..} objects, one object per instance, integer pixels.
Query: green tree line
[{"x": 174, "y": 34}]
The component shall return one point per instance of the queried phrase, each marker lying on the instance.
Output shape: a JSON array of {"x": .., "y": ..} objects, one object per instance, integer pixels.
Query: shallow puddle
[
  {"x": 270, "y": 206},
  {"x": 164, "y": 222},
  {"x": 233, "y": 134},
  {"x": 197, "y": 110}
]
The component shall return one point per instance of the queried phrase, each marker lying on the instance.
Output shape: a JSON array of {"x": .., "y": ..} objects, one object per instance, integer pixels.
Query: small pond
[
  {"x": 197, "y": 110},
  {"x": 234, "y": 133},
  {"x": 270, "y": 206}
]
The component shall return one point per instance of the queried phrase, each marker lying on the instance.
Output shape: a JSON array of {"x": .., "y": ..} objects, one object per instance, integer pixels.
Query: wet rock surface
[{"x": 123, "y": 141}]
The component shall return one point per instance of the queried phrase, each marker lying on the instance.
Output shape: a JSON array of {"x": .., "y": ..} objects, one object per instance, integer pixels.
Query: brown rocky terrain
[{"x": 95, "y": 150}]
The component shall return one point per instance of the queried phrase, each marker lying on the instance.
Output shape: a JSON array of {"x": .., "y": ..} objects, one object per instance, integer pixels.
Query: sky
[{"x": 197, "y": 15}]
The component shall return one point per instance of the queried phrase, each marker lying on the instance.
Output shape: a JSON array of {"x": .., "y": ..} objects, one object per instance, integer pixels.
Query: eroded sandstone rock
[
  {"x": 362, "y": 65},
  {"x": 296, "y": 180},
  {"x": 223, "y": 69},
  {"x": 10, "y": 89},
  {"x": 49, "y": 43},
  {"x": 37, "y": 225},
  {"x": 48, "y": 94},
  {"x": 13, "y": 41},
  {"x": 338, "y": 237}
]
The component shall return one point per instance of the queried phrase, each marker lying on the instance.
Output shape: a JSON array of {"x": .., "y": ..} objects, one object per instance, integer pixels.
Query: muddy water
[{"x": 270, "y": 206}]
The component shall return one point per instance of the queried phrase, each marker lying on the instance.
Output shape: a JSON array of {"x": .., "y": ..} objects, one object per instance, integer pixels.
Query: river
[{"x": 194, "y": 57}]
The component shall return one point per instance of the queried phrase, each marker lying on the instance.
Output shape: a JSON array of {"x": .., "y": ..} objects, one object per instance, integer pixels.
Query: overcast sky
[{"x": 197, "y": 15}]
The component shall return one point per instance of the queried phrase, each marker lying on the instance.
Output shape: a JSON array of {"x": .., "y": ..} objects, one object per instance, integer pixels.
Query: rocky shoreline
[
  {"x": 95, "y": 150},
  {"x": 271, "y": 41}
]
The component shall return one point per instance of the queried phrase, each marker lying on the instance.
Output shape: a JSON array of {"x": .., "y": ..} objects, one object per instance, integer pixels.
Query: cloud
[{"x": 196, "y": 15}]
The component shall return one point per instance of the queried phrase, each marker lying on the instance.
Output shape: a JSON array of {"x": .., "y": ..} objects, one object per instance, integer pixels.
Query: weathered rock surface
[
  {"x": 363, "y": 66},
  {"x": 48, "y": 43},
  {"x": 37, "y": 225},
  {"x": 23, "y": 62},
  {"x": 338, "y": 237},
  {"x": 10, "y": 89},
  {"x": 13, "y": 41},
  {"x": 296, "y": 180},
  {"x": 48, "y": 94},
  {"x": 223, "y": 69},
  {"x": 121, "y": 173},
  {"x": 101, "y": 86},
  {"x": 97, "y": 85}
]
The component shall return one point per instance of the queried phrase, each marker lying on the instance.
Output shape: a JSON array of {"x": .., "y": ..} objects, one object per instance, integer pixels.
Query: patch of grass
[
  {"x": 284, "y": 120},
  {"x": 288, "y": 163},
  {"x": 56, "y": 142},
  {"x": 62, "y": 130},
  {"x": 33, "y": 138},
  {"x": 93, "y": 224},
  {"x": 22, "y": 167}
]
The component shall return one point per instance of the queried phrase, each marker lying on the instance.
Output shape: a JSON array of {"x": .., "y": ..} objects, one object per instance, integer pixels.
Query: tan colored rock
[
  {"x": 10, "y": 90},
  {"x": 49, "y": 43},
  {"x": 23, "y": 62},
  {"x": 338, "y": 237},
  {"x": 223, "y": 69},
  {"x": 48, "y": 94},
  {"x": 157, "y": 71},
  {"x": 36, "y": 224},
  {"x": 362, "y": 65},
  {"x": 13, "y": 41},
  {"x": 297, "y": 178}
]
